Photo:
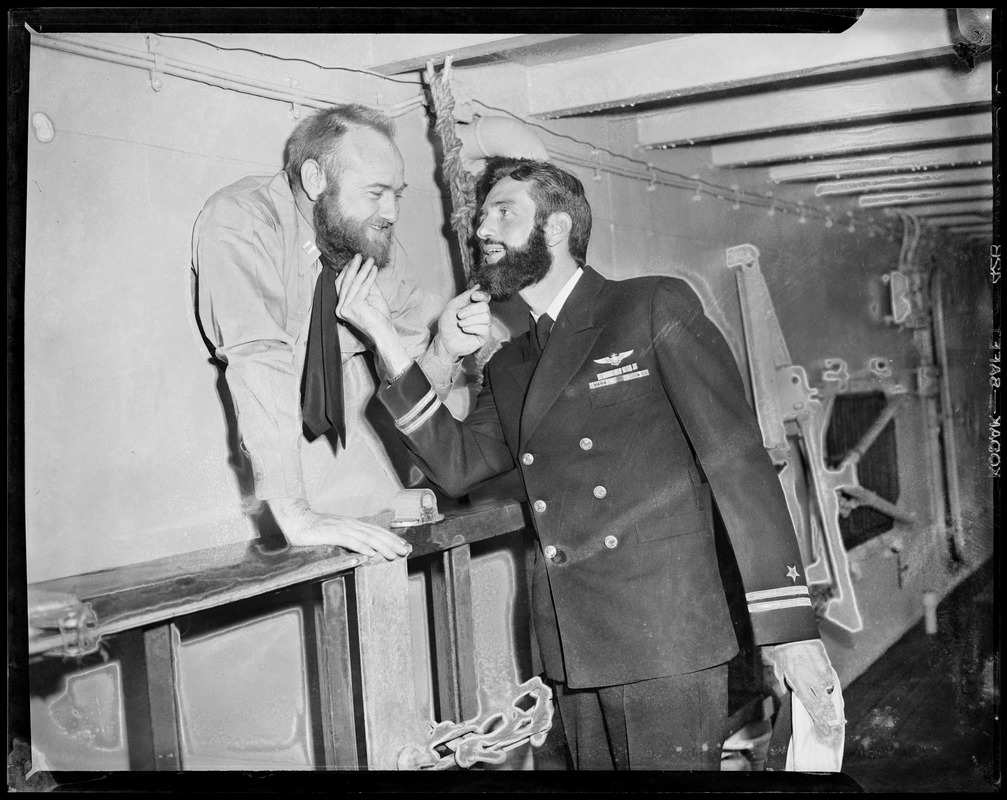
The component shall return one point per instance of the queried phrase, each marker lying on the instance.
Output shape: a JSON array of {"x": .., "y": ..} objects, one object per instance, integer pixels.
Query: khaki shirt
[{"x": 256, "y": 265}]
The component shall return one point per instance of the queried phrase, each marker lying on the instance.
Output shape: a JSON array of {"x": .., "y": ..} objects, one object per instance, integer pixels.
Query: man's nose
[
  {"x": 484, "y": 231},
  {"x": 389, "y": 209}
]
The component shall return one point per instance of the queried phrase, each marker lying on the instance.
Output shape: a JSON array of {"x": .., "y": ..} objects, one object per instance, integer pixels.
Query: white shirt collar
[{"x": 560, "y": 299}]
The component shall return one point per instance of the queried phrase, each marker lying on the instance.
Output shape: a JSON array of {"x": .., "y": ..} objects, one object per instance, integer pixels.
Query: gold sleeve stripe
[
  {"x": 408, "y": 417},
  {"x": 785, "y": 591},
  {"x": 774, "y": 605},
  {"x": 422, "y": 417}
]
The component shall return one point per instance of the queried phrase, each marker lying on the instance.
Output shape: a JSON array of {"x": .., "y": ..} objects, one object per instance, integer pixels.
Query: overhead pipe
[
  {"x": 481, "y": 138},
  {"x": 161, "y": 64},
  {"x": 499, "y": 136}
]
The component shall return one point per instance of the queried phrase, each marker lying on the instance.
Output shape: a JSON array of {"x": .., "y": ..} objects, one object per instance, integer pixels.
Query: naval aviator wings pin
[
  {"x": 618, "y": 374},
  {"x": 615, "y": 359}
]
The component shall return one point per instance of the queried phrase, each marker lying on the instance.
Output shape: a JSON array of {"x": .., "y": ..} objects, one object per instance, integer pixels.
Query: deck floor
[{"x": 925, "y": 716}]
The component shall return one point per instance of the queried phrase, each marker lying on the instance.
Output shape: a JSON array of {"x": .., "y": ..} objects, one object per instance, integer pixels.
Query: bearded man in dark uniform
[{"x": 624, "y": 413}]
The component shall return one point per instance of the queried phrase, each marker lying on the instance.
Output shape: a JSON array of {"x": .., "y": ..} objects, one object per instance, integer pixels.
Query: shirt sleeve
[
  {"x": 404, "y": 301},
  {"x": 243, "y": 306},
  {"x": 702, "y": 379}
]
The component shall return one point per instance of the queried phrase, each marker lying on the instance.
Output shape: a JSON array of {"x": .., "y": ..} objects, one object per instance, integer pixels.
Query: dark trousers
[{"x": 675, "y": 723}]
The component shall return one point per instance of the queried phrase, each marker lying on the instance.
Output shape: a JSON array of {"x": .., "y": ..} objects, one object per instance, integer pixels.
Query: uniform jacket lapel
[{"x": 573, "y": 335}]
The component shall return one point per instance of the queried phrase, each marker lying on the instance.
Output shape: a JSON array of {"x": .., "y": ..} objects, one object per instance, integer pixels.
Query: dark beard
[
  {"x": 340, "y": 238},
  {"x": 518, "y": 268}
]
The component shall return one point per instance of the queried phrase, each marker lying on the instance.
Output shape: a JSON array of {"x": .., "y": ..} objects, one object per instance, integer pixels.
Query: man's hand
[
  {"x": 360, "y": 300},
  {"x": 363, "y": 306},
  {"x": 303, "y": 527},
  {"x": 464, "y": 324},
  {"x": 805, "y": 668}
]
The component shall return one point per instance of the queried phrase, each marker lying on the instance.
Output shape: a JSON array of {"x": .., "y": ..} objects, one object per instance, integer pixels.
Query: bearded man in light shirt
[{"x": 266, "y": 251}]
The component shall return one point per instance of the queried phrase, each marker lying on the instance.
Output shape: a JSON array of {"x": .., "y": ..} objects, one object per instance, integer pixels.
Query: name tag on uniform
[
  {"x": 613, "y": 372},
  {"x": 628, "y": 376}
]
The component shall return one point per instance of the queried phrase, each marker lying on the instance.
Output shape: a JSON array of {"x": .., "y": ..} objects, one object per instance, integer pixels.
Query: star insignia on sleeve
[{"x": 793, "y": 574}]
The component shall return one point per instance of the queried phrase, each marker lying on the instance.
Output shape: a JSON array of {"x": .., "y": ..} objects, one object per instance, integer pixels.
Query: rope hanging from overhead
[
  {"x": 460, "y": 180},
  {"x": 463, "y": 190}
]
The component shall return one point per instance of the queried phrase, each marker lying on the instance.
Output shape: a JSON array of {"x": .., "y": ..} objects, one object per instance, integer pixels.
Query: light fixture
[{"x": 976, "y": 24}]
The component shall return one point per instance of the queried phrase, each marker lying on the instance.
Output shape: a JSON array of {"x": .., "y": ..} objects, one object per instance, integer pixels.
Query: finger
[
  {"x": 387, "y": 547},
  {"x": 475, "y": 317},
  {"x": 462, "y": 300},
  {"x": 367, "y": 284},
  {"x": 354, "y": 541},
  {"x": 352, "y": 267},
  {"x": 475, "y": 330},
  {"x": 347, "y": 273},
  {"x": 479, "y": 296},
  {"x": 378, "y": 537},
  {"x": 355, "y": 280},
  {"x": 478, "y": 313},
  {"x": 474, "y": 308},
  {"x": 347, "y": 541}
]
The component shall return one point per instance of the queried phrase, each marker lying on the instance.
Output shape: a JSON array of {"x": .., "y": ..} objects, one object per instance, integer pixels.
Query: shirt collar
[{"x": 560, "y": 299}]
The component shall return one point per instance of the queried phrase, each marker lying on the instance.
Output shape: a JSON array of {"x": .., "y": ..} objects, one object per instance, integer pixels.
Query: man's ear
[
  {"x": 557, "y": 228},
  {"x": 312, "y": 179}
]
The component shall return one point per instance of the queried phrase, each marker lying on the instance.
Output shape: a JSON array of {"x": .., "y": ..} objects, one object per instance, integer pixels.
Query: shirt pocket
[{"x": 623, "y": 390}]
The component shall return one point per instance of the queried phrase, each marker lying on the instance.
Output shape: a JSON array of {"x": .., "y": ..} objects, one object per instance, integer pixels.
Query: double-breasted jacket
[{"x": 633, "y": 421}]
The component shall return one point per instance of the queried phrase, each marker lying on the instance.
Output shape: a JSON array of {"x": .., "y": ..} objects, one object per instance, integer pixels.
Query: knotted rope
[
  {"x": 460, "y": 180},
  {"x": 462, "y": 185}
]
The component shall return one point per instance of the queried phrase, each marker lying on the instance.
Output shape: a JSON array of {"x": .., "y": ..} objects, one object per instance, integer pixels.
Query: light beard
[
  {"x": 516, "y": 269},
  {"x": 340, "y": 237}
]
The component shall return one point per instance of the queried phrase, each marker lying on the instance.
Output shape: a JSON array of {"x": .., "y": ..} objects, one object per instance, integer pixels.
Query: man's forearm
[
  {"x": 266, "y": 397},
  {"x": 392, "y": 352},
  {"x": 440, "y": 366},
  {"x": 290, "y": 513}
]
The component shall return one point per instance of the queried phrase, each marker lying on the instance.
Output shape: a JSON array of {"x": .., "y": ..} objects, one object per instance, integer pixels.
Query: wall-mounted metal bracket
[
  {"x": 783, "y": 398},
  {"x": 928, "y": 381},
  {"x": 79, "y": 633},
  {"x": 898, "y": 287},
  {"x": 909, "y": 307},
  {"x": 296, "y": 110},
  {"x": 836, "y": 370},
  {"x": 157, "y": 71}
]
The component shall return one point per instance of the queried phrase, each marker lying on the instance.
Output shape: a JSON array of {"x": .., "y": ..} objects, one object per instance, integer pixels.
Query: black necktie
[
  {"x": 322, "y": 383},
  {"x": 540, "y": 332}
]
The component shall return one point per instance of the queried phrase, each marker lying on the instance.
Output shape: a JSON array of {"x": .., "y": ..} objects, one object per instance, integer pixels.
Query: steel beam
[
  {"x": 814, "y": 107},
  {"x": 953, "y": 207},
  {"x": 906, "y": 180},
  {"x": 835, "y": 143},
  {"x": 959, "y": 155},
  {"x": 693, "y": 64},
  {"x": 926, "y": 196}
]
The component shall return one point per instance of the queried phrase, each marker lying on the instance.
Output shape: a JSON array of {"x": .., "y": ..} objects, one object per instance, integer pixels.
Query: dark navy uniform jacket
[{"x": 634, "y": 412}]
